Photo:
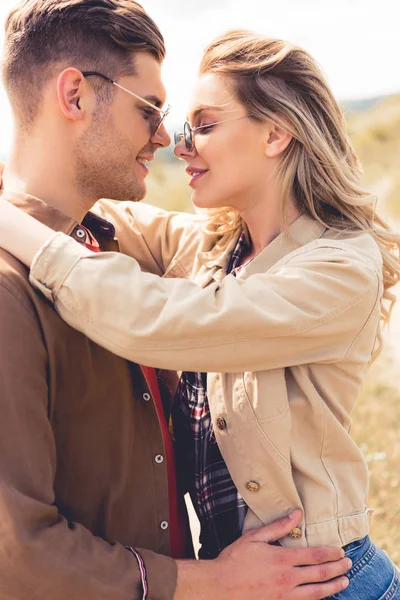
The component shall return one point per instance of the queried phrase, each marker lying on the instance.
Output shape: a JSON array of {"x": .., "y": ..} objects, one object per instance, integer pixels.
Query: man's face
[{"x": 111, "y": 152}]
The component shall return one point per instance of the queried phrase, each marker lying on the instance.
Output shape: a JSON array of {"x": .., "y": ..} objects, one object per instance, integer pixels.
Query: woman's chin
[{"x": 203, "y": 202}]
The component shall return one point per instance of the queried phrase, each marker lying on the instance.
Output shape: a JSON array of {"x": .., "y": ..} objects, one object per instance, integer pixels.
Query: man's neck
[{"x": 46, "y": 176}]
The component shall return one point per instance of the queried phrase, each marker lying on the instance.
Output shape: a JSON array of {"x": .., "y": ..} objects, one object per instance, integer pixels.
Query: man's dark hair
[{"x": 91, "y": 35}]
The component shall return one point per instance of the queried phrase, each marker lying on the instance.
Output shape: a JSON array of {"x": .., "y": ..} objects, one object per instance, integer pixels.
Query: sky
[{"x": 356, "y": 42}]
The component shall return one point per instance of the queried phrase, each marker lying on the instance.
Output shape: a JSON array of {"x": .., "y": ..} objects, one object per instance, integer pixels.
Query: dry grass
[{"x": 376, "y": 428}]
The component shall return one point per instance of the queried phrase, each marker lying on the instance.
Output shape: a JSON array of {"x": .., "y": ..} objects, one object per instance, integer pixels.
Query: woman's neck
[{"x": 264, "y": 225}]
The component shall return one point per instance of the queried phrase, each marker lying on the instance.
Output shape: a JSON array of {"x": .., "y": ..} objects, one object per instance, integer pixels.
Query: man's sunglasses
[{"x": 158, "y": 116}]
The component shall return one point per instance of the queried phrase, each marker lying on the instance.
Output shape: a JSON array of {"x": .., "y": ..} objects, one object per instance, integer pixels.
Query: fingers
[
  {"x": 313, "y": 556},
  {"x": 323, "y": 572},
  {"x": 317, "y": 591},
  {"x": 278, "y": 529}
]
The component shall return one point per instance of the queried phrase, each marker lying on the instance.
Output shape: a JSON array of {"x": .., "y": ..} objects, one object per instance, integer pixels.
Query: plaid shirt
[{"x": 218, "y": 504}]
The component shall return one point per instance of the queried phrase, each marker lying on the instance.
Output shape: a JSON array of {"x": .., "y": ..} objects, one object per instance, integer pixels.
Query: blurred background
[{"x": 358, "y": 45}]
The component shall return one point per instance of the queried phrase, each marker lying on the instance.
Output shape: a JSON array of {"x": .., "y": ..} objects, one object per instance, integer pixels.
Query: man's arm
[{"x": 42, "y": 556}]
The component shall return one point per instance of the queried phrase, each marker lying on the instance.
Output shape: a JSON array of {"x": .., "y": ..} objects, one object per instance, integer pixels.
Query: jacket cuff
[
  {"x": 162, "y": 574},
  {"x": 142, "y": 570},
  {"x": 53, "y": 263}
]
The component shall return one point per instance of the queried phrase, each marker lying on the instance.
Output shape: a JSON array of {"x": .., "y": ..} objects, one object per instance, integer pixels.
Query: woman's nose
[{"x": 180, "y": 149}]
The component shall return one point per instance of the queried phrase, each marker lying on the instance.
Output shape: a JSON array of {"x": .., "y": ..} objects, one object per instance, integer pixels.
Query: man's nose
[{"x": 161, "y": 137}]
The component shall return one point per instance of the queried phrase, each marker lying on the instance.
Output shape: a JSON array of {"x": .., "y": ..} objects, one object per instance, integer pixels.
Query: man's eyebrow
[
  {"x": 200, "y": 109},
  {"x": 154, "y": 100}
]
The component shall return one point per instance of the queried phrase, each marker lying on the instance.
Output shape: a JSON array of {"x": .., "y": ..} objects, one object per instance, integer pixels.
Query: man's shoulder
[{"x": 14, "y": 280}]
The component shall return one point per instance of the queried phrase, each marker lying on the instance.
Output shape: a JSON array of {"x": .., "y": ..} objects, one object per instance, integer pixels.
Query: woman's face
[{"x": 228, "y": 165}]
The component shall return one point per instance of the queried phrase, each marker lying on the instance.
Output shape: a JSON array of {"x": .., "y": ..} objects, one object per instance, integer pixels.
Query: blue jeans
[{"x": 373, "y": 576}]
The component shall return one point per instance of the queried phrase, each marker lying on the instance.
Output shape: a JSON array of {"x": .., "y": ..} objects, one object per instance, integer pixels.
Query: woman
[{"x": 291, "y": 285}]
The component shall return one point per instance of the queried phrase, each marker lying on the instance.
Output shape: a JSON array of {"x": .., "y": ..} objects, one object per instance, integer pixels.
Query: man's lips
[{"x": 142, "y": 160}]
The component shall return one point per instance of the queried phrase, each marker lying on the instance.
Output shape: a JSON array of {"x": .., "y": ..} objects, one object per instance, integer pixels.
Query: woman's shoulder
[{"x": 357, "y": 248}]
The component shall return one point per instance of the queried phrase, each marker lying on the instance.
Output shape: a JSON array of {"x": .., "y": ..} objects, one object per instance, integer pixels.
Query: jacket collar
[
  {"x": 59, "y": 221},
  {"x": 218, "y": 257},
  {"x": 301, "y": 232}
]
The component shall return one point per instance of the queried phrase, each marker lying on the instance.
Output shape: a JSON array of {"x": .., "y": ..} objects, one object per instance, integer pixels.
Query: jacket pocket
[{"x": 264, "y": 395}]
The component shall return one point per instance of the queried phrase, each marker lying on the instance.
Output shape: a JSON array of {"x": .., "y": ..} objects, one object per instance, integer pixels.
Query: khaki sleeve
[
  {"x": 42, "y": 556},
  {"x": 309, "y": 309},
  {"x": 150, "y": 235}
]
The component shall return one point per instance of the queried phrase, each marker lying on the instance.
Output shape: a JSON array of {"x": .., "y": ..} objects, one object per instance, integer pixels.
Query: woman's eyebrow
[{"x": 200, "y": 109}]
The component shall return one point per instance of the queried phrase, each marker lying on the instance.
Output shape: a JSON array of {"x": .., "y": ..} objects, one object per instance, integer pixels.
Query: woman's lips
[{"x": 196, "y": 174}]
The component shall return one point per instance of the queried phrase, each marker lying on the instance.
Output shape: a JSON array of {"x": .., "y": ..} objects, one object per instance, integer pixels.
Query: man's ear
[
  {"x": 277, "y": 141},
  {"x": 75, "y": 97}
]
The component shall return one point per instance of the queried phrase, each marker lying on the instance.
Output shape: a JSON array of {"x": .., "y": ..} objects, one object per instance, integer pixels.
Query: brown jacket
[{"x": 78, "y": 441}]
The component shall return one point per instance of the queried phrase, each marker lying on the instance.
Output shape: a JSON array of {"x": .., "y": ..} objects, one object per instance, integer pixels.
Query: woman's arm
[
  {"x": 153, "y": 236},
  {"x": 309, "y": 309}
]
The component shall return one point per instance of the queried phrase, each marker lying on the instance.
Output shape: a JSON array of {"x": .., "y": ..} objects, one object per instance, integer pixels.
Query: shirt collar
[{"x": 59, "y": 221}]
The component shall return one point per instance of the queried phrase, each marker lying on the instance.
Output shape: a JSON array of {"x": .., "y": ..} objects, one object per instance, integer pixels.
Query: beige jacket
[{"x": 287, "y": 344}]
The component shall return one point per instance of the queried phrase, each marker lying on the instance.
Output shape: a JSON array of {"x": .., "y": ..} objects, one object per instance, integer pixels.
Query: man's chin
[{"x": 136, "y": 194}]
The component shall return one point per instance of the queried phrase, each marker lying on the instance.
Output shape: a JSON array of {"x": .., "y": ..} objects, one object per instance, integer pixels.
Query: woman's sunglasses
[{"x": 189, "y": 132}]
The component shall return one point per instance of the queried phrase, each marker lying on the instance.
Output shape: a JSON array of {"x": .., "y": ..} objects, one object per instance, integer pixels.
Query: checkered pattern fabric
[{"x": 217, "y": 502}]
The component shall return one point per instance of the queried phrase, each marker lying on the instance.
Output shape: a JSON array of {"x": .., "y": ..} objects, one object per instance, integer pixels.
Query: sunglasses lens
[
  {"x": 188, "y": 135},
  {"x": 156, "y": 123},
  {"x": 178, "y": 137}
]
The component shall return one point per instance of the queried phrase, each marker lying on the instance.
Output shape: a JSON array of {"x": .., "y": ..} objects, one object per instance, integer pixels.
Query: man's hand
[{"x": 253, "y": 568}]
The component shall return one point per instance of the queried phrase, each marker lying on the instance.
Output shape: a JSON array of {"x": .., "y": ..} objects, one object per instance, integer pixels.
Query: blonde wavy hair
[{"x": 279, "y": 82}]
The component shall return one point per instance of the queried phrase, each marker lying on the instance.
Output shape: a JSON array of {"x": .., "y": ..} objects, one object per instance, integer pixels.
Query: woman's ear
[
  {"x": 277, "y": 141},
  {"x": 74, "y": 96}
]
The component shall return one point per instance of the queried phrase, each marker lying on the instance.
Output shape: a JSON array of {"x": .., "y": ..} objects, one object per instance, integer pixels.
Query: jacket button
[
  {"x": 221, "y": 423},
  {"x": 296, "y": 533},
  {"x": 159, "y": 459},
  {"x": 146, "y": 396},
  {"x": 164, "y": 525},
  {"x": 252, "y": 486}
]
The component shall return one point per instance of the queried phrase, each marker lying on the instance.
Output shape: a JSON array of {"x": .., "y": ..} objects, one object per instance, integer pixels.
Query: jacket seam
[
  {"x": 320, "y": 245},
  {"x": 327, "y": 471},
  {"x": 366, "y": 321},
  {"x": 162, "y": 270},
  {"x": 361, "y": 513}
]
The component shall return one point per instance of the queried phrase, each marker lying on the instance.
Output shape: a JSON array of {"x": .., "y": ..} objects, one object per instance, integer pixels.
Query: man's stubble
[{"x": 106, "y": 162}]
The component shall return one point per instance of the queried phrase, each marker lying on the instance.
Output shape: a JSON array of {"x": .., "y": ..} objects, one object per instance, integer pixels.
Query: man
[{"x": 87, "y": 489}]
